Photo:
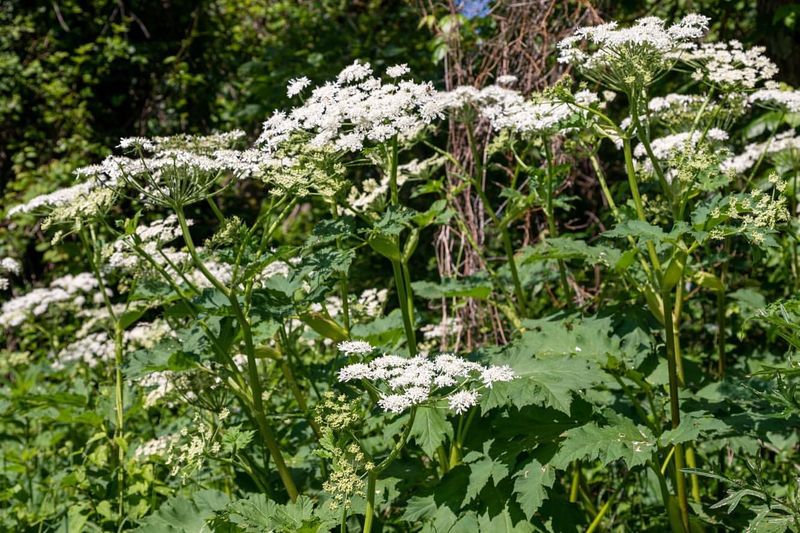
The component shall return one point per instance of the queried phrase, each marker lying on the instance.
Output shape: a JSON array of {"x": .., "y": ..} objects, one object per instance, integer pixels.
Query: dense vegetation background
[{"x": 78, "y": 75}]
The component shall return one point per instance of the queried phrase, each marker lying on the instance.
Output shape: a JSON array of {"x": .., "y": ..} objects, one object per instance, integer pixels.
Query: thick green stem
[
  {"x": 551, "y": 215},
  {"x": 252, "y": 367},
  {"x": 673, "y": 514},
  {"x": 394, "y": 190},
  {"x": 369, "y": 512},
  {"x": 575, "y": 484},
  {"x": 674, "y": 402},
  {"x": 512, "y": 265},
  {"x": 372, "y": 476},
  {"x": 404, "y": 299},
  {"x": 637, "y": 199},
  {"x": 119, "y": 435}
]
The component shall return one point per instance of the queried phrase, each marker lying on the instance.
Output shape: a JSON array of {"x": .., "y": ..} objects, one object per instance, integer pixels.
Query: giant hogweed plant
[{"x": 236, "y": 375}]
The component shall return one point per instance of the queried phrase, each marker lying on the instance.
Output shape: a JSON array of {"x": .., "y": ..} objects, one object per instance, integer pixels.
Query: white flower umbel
[
  {"x": 355, "y": 347},
  {"x": 786, "y": 142},
  {"x": 728, "y": 66},
  {"x": 92, "y": 350},
  {"x": 296, "y": 86},
  {"x": 405, "y": 382},
  {"x": 506, "y": 80},
  {"x": 169, "y": 177},
  {"x": 628, "y": 59},
  {"x": 507, "y": 109},
  {"x": 354, "y": 111},
  {"x": 202, "y": 144},
  {"x": 397, "y": 71},
  {"x": 65, "y": 292},
  {"x": 8, "y": 266},
  {"x": 460, "y": 402},
  {"x": 772, "y": 97},
  {"x": 78, "y": 194}
]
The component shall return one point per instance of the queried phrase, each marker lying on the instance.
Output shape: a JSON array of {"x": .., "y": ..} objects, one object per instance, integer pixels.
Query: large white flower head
[
  {"x": 629, "y": 59},
  {"x": 176, "y": 170},
  {"x": 356, "y": 110},
  {"x": 67, "y": 292},
  {"x": 408, "y": 381},
  {"x": 355, "y": 347},
  {"x": 773, "y": 97},
  {"x": 783, "y": 146},
  {"x": 507, "y": 109},
  {"x": 82, "y": 200},
  {"x": 728, "y": 66}
]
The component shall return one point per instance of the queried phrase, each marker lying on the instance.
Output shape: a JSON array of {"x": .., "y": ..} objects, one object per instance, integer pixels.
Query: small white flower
[
  {"x": 507, "y": 79},
  {"x": 355, "y": 347},
  {"x": 493, "y": 374},
  {"x": 461, "y": 401},
  {"x": 296, "y": 86},
  {"x": 394, "y": 403},
  {"x": 397, "y": 71},
  {"x": 354, "y": 371},
  {"x": 11, "y": 265}
]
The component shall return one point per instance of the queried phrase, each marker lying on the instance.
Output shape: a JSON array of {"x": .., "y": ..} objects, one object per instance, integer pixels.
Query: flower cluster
[
  {"x": 442, "y": 332},
  {"x": 158, "y": 385},
  {"x": 67, "y": 291},
  {"x": 507, "y": 109},
  {"x": 45, "y": 203},
  {"x": 728, "y": 66},
  {"x": 157, "y": 446},
  {"x": 188, "y": 457},
  {"x": 345, "y": 481},
  {"x": 784, "y": 142},
  {"x": 98, "y": 347},
  {"x": 201, "y": 144},
  {"x": 355, "y": 347},
  {"x": 772, "y": 96},
  {"x": 630, "y": 58},
  {"x": 167, "y": 178},
  {"x": 355, "y": 110},
  {"x": 416, "y": 380},
  {"x": 752, "y": 215},
  {"x": 336, "y": 412},
  {"x": 8, "y": 265}
]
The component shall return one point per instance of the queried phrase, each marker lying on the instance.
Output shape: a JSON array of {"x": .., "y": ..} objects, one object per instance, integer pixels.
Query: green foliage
[{"x": 412, "y": 310}]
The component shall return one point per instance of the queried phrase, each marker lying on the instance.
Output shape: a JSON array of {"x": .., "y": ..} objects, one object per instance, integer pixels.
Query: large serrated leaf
[
  {"x": 185, "y": 515},
  {"x": 621, "y": 440},
  {"x": 531, "y": 484},
  {"x": 550, "y": 382},
  {"x": 431, "y": 429}
]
